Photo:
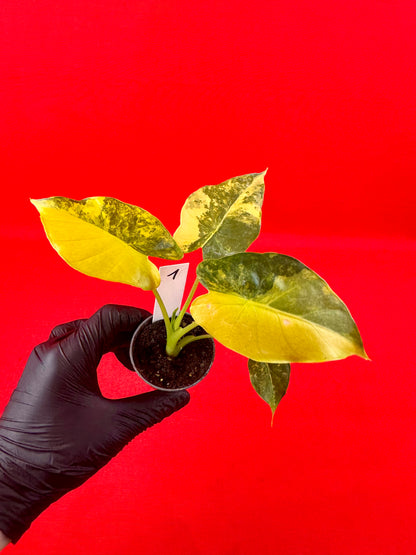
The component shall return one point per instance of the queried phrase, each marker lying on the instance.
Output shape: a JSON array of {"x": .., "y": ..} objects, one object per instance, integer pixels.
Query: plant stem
[
  {"x": 163, "y": 309},
  {"x": 171, "y": 339},
  {"x": 187, "y": 340},
  {"x": 182, "y": 331},
  {"x": 179, "y": 318},
  {"x": 174, "y": 336},
  {"x": 175, "y": 340}
]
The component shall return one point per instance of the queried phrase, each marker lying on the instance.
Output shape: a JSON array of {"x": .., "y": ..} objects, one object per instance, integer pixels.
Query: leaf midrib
[
  {"x": 283, "y": 314},
  {"x": 95, "y": 227},
  {"x": 226, "y": 214}
]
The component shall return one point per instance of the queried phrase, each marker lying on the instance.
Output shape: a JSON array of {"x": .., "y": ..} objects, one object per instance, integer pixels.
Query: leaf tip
[
  {"x": 272, "y": 419},
  {"x": 365, "y": 356},
  {"x": 39, "y": 203},
  {"x": 362, "y": 353}
]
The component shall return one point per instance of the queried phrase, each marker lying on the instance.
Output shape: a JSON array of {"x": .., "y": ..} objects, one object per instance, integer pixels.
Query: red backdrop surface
[{"x": 148, "y": 100}]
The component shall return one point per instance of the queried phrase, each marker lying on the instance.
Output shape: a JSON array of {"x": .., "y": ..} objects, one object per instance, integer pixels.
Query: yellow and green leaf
[
  {"x": 271, "y": 308},
  {"x": 222, "y": 219},
  {"x": 270, "y": 381},
  {"x": 108, "y": 239}
]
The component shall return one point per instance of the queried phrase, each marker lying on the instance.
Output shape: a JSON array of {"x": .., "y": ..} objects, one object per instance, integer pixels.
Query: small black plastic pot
[{"x": 150, "y": 361}]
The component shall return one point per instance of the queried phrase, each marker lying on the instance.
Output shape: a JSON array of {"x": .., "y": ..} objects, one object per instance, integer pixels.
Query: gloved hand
[{"x": 57, "y": 429}]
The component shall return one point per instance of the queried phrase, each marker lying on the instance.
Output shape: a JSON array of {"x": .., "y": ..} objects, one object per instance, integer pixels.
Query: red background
[{"x": 148, "y": 100}]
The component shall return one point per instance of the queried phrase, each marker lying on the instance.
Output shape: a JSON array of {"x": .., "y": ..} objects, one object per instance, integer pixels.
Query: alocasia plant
[{"x": 267, "y": 307}]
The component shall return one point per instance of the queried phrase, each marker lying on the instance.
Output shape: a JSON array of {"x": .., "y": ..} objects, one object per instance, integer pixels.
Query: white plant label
[{"x": 171, "y": 288}]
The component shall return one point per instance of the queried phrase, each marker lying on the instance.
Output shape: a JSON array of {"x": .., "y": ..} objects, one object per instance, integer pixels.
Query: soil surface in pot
[{"x": 160, "y": 370}]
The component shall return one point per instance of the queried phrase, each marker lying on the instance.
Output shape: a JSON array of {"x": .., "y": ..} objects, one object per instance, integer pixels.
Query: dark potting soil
[{"x": 166, "y": 372}]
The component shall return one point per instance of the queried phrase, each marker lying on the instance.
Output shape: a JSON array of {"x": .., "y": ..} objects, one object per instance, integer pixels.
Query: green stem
[
  {"x": 175, "y": 340},
  {"x": 187, "y": 340},
  {"x": 163, "y": 309},
  {"x": 183, "y": 331},
  {"x": 178, "y": 320},
  {"x": 174, "y": 336}
]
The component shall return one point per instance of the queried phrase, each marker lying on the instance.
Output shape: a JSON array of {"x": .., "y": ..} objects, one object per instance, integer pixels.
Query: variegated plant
[{"x": 268, "y": 307}]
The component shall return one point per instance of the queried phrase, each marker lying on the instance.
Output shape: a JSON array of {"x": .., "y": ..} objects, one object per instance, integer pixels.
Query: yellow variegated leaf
[
  {"x": 106, "y": 238},
  {"x": 272, "y": 308},
  {"x": 222, "y": 219},
  {"x": 270, "y": 381}
]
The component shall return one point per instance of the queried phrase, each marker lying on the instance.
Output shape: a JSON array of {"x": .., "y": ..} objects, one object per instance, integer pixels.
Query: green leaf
[
  {"x": 108, "y": 239},
  {"x": 272, "y": 308},
  {"x": 222, "y": 219},
  {"x": 270, "y": 381}
]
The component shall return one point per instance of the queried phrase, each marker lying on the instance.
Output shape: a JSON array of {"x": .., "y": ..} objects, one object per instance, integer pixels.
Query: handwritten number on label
[{"x": 174, "y": 274}]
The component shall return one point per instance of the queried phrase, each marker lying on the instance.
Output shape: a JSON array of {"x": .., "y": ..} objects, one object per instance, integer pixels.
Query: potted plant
[{"x": 268, "y": 307}]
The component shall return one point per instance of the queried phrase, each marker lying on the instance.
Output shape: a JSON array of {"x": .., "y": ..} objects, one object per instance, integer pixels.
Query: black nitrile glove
[{"x": 57, "y": 429}]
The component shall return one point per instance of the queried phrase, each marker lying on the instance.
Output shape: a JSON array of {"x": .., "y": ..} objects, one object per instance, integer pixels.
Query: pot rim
[{"x": 144, "y": 323}]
